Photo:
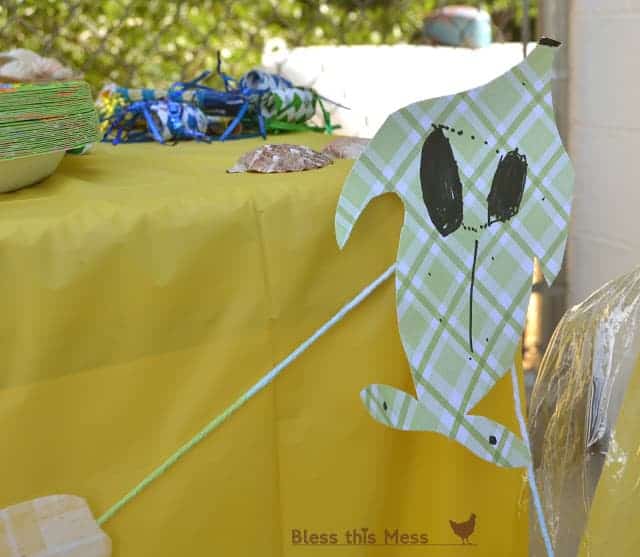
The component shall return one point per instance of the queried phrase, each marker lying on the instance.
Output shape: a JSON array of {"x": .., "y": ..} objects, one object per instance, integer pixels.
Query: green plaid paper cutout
[{"x": 453, "y": 368}]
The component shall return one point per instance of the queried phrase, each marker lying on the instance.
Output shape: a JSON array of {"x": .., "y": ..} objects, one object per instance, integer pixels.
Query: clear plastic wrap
[{"x": 575, "y": 403}]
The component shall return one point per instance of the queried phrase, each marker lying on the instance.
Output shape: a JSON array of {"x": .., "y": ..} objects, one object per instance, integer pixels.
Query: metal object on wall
[
  {"x": 525, "y": 26},
  {"x": 548, "y": 304}
]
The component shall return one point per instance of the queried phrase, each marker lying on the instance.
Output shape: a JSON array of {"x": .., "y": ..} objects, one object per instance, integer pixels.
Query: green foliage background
[{"x": 155, "y": 42}]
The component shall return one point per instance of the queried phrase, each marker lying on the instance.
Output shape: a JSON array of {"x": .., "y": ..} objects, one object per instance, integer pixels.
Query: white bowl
[{"x": 26, "y": 171}]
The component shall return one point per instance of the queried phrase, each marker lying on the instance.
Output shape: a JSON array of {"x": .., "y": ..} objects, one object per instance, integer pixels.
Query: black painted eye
[
  {"x": 440, "y": 181},
  {"x": 507, "y": 187},
  {"x": 384, "y": 405},
  {"x": 493, "y": 440}
]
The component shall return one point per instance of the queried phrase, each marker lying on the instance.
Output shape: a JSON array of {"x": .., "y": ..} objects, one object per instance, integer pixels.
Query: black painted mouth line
[{"x": 473, "y": 279}]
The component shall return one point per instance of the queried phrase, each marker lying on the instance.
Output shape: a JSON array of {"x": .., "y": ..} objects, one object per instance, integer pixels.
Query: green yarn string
[{"x": 260, "y": 385}]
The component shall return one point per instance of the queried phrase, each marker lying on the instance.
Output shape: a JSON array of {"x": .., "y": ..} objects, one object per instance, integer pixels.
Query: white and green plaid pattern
[
  {"x": 290, "y": 105},
  {"x": 433, "y": 273}
]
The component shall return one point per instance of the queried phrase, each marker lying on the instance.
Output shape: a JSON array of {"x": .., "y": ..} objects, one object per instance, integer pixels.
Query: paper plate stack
[{"x": 38, "y": 124}]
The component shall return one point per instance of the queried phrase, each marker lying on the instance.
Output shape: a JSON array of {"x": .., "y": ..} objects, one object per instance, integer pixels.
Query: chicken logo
[{"x": 464, "y": 529}]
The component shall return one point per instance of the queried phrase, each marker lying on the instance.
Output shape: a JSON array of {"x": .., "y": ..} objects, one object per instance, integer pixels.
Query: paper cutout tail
[{"x": 486, "y": 438}]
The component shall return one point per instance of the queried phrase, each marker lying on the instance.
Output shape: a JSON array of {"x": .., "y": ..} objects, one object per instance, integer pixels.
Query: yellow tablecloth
[
  {"x": 611, "y": 528},
  {"x": 142, "y": 289}
]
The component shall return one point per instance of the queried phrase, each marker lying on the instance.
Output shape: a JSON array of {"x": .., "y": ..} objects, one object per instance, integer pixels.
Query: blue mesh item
[
  {"x": 191, "y": 110},
  {"x": 458, "y": 26}
]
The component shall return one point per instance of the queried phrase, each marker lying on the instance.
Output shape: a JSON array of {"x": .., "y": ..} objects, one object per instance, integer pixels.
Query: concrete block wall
[{"x": 604, "y": 138}]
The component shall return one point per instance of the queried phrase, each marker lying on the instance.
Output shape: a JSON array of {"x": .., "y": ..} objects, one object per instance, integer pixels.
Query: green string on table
[{"x": 245, "y": 397}]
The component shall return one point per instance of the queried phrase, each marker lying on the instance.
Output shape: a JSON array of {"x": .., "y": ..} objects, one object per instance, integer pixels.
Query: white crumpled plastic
[{"x": 575, "y": 404}]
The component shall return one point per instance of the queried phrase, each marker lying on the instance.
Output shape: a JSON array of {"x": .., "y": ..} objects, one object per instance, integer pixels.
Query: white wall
[{"x": 604, "y": 142}]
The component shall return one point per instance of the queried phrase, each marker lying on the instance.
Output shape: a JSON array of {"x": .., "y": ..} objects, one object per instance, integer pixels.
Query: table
[{"x": 143, "y": 289}]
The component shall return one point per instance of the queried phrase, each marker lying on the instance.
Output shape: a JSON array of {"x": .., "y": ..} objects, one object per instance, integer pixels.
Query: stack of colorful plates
[{"x": 38, "y": 124}]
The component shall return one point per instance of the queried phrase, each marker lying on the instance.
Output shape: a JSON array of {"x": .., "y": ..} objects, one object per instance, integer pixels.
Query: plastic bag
[{"x": 575, "y": 404}]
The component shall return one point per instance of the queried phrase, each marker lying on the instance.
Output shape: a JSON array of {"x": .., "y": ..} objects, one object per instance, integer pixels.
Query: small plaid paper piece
[{"x": 52, "y": 526}]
